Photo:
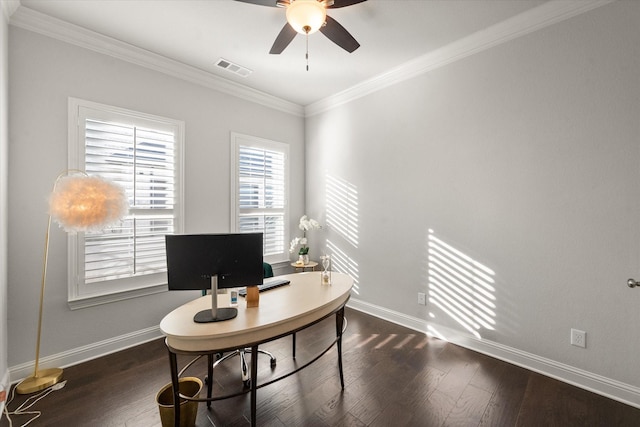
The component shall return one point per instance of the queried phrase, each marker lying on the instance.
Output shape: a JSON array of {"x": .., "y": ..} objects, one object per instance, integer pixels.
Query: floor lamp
[{"x": 79, "y": 203}]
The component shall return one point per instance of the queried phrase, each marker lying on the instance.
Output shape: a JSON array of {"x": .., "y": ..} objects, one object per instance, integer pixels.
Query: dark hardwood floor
[{"x": 393, "y": 377}]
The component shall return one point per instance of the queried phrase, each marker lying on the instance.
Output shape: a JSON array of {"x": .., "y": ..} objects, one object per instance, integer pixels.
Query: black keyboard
[{"x": 271, "y": 284}]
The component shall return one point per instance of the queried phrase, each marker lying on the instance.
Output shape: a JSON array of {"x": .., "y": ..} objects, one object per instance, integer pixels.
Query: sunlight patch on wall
[
  {"x": 342, "y": 219},
  {"x": 342, "y": 208},
  {"x": 461, "y": 287},
  {"x": 342, "y": 262}
]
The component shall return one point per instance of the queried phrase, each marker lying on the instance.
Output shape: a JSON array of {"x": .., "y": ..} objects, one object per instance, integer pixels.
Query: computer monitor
[{"x": 213, "y": 261}]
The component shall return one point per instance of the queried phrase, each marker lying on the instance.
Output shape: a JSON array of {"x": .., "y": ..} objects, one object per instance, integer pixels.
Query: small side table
[{"x": 311, "y": 265}]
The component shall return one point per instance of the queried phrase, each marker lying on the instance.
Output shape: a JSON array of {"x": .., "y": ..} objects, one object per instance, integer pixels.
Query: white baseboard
[
  {"x": 607, "y": 387},
  {"x": 88, "y": 352}
]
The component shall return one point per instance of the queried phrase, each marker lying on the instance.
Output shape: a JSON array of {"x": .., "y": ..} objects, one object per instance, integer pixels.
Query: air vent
[{"x": 233, "y": 68}]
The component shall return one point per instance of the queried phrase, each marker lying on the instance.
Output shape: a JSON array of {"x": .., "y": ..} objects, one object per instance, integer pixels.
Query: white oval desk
[{"x": 282, "y": 311}]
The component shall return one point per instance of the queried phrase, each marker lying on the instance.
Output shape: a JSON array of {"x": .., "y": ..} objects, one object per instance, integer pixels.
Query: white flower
[
  {"x": 293, "y": 244},
  {"x": 305, "y": 225}
]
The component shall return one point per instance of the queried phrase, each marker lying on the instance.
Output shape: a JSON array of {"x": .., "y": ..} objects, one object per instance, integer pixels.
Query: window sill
[{"x": 92, "y": 301}]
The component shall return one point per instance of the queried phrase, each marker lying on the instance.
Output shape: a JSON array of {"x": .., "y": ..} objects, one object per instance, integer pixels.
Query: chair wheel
[
  {"x": 206, "y": 379},
  {"x": 247, "y": 383},
  {"x": 273, "y": 362}
]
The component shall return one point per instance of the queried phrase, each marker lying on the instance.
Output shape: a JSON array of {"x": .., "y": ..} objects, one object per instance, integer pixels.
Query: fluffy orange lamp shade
[{"x": 87, "y": 203}]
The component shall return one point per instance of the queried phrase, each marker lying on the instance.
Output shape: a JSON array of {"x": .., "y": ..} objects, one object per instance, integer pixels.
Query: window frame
[
  {"x": 241, "y": 140},
  {"x": 81, "y": 294}
]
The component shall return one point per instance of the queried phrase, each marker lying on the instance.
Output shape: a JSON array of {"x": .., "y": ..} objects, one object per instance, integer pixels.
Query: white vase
[{"x": 303, "y": 259}]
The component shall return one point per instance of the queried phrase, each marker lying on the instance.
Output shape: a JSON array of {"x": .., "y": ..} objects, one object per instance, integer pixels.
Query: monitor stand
[{"x": 215, "y": 314}]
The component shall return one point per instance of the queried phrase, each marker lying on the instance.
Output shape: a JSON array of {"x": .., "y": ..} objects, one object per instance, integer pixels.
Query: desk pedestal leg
[
  {"x": 294, "y": 345},
  {"x": 339, "y": 325},
  {"x": 209, "y": 379},
  {"x": 173, "y": 361},
  {"x": 254, "y": 383}
]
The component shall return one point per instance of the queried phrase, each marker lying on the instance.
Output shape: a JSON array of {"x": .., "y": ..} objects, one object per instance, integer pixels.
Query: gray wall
[
  {"x": 525, "y": 159},
  {"x": 44, "y": 73},
  {"x": 4, "y": 135}
]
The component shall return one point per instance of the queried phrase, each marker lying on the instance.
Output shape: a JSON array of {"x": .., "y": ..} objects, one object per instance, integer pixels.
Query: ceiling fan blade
[
  {"x": 270, "y": 3},
  {"x": 343, "y": 3},
  {"x": 339, "y": 35},
  {"x": 284, "y": 38}
]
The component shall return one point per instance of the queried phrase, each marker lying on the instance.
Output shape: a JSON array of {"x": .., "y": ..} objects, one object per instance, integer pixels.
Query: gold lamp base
[{"x": 42, "y": 379}]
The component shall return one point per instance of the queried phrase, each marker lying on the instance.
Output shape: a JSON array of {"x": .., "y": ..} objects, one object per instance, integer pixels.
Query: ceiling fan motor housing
[{"x": 306, "y": 16}]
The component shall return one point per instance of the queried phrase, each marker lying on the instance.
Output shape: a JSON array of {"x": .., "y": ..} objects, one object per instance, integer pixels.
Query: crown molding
[
  {"x": 9, "y": 7},
  {"x": 547, "y": 14},
  {"x": 37, "y": 22}
]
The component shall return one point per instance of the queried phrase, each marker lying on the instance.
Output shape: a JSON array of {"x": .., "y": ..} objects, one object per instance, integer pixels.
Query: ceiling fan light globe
[{"x": 306, "y": 16}]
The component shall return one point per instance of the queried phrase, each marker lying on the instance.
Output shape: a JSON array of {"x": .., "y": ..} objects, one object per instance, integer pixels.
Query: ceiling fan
[{"x": 308, "y": 16}]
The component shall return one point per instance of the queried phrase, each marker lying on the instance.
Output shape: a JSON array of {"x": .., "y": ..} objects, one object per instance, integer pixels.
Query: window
[
  {"x": 142, "y": 153},
  {"x": 260, "y": 192}
]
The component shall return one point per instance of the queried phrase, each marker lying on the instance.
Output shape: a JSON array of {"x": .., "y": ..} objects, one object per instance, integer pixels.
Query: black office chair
[
  {"x": 244, "y": 368},
  {"x": 267, "y": 271}
]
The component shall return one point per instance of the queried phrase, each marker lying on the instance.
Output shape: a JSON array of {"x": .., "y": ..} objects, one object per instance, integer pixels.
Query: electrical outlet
[
  {"x": 422, "y": 298},
  {"x": 578, "y": 338}
]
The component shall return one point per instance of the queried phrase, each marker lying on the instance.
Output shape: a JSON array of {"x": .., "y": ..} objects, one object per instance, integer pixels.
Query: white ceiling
[{"x": 199, "y": 32}]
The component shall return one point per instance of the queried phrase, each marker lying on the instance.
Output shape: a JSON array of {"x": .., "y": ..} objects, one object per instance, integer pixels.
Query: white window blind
[
  {"x": 261, "y": 192},
  {"x": 139, "y": 152}
]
